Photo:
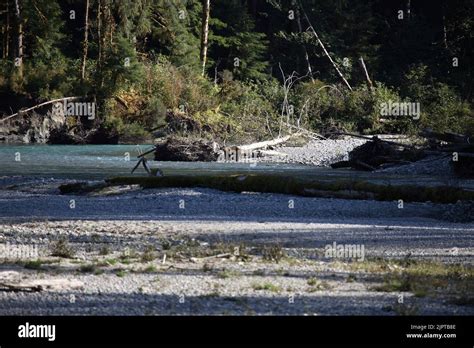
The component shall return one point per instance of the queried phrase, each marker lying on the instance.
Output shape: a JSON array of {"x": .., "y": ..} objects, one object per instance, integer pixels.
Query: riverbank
[
  {"x": 201, "y": 251},
  {"x": 321, "y": 153},
  {"x": 123, "y": 249}
]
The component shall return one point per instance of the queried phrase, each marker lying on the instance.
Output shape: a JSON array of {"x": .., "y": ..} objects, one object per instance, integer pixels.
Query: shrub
[
  {"x": 61, "y": 248},
  {"x": 134, "y": 132},
  {"x": 326, "y": 106},
  {"x": 443, "y": 110},
  {"x": 441, "y": 107}
]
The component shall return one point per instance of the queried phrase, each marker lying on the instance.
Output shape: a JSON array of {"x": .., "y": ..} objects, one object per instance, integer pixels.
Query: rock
[
  {"x": 31, "y": 128},
  {"x": 49, "y": 125}
]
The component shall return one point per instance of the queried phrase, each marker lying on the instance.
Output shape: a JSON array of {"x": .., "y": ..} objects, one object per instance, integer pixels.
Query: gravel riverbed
[
  {"x": 200, "y": 251},
  {"x": 321, "y": 152}
]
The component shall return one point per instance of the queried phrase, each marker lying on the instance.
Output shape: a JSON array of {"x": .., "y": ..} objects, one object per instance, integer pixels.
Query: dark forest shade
[{"x": 142, "y": 60}]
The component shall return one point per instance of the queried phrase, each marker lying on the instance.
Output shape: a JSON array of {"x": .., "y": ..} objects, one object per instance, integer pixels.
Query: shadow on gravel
[
  {"x": 207, "y": 205},
  {"x": 180, "y": 304}
]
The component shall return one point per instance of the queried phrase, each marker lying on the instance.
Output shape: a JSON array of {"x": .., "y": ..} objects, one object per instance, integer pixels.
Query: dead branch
[
  {"x": 367, "y": 77},
  {"x": 311, "y": 28},
  {"x": 288, "y": 83},
  {"x": 306, "y": 132}
]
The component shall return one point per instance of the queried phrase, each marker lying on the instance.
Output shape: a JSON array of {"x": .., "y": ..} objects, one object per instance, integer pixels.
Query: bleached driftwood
[
  {"x": 265, "y": 144},
  {"x": 307, "y": 133},
  {"x": 14, "y": 281}
]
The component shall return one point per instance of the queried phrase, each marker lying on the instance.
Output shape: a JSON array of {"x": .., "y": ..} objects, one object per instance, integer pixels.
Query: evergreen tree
[{"x": 235, "y": 42}]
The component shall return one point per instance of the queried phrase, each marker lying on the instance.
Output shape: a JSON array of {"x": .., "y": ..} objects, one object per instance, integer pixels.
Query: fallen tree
[
  {"x": 378, "y": 153},
  {"x": 447, "y": 137},
  {"x": 302, "y": 186},
  {"x": 197, "y": 150}
]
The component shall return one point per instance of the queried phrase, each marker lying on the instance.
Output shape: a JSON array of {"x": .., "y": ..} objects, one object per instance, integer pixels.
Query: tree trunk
[
  {"x": 445, "y": 33},
  {"x": 445, "y": 30},
  {"x": 37, "y": 106},
  {"x": 367, "y": 77},
  {"x": 6, "y": 32},
  {"x": 330, "y": 58},
  {"x": 19, "y": 38},
  {"x": 306, "y": 56},
  {"x": 85, "y": 43},
  {"x": 99, "y": 35},
  {"x": 325, "y": 50},
  {"x": 264, "y": 144},
  {"x": 206, "y": 7}
]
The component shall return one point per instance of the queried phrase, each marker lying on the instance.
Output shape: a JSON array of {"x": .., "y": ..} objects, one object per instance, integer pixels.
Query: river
[{"x": 95, "y": 162}]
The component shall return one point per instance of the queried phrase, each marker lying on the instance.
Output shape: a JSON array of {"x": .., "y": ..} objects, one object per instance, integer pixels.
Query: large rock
[{"x": 32, "y": 127}]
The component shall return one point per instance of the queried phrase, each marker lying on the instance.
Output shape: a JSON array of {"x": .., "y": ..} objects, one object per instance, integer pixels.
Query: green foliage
[
  {"x": 175, "y": 32},
  {"x": 135, "y": 133},
  {"x": 121, "y": 69},
  {"x": 47, "y": 82},
  {"x": 441, "y": 107},
  {"x": 359, "y": 110},
  {"x": 241, "y": 49},
  {"x": 143, "y": 64},
  {"x": 252, "y": 107},
  {"x": 443, "y": 110}
]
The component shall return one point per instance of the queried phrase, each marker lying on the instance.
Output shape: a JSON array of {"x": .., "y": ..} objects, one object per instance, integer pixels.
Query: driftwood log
[
  {"x": 459, "y": 145},
  {"x": 264, "y": 144},
  {"x": 377, "y": 153},
  {"x": 447, "y": 137},
  {"x": 186, "y": 150},
  {"x": 197, "y": 150},
  {"x": 38, "y": 106},
  {"x": 13, "y": 281}
]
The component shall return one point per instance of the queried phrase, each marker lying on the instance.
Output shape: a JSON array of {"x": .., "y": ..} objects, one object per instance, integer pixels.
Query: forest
[{"x": 241, "y": 70}]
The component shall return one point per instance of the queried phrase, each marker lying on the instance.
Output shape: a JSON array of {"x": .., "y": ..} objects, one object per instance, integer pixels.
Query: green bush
[
  {"x": 334, "y": 105},
  {"x": 239, "y": 112},
  {"x": 232, "y": 110},
  {"x": 441, "y": 107},
  {"x": 252, "y": 109},
  {"x": 442, "y": 110},
  {"x": 134, "y": 132}
]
